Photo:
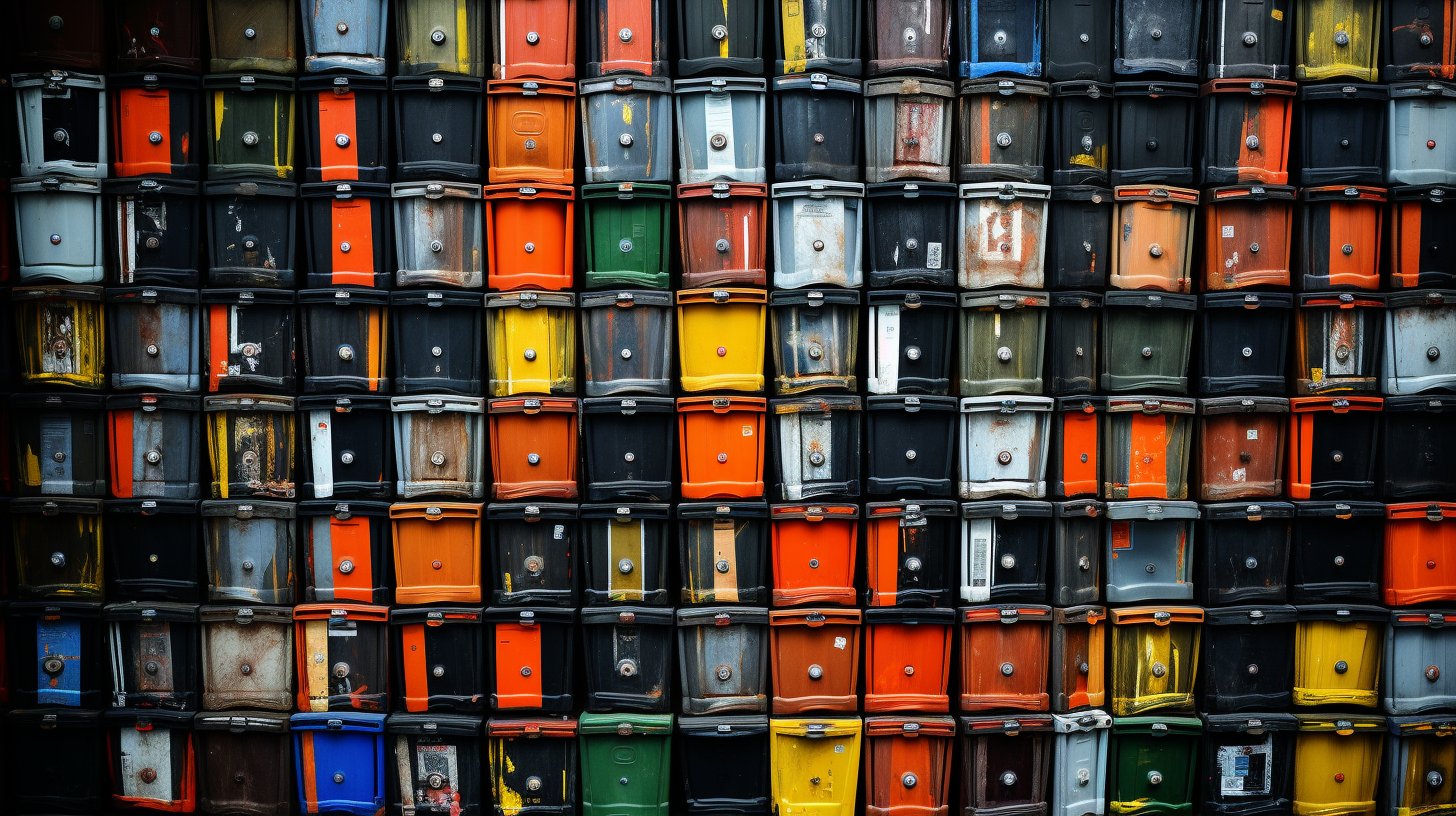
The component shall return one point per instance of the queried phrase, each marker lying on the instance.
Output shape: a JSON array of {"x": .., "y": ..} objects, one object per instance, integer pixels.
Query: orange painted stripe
[
  {"x": 1407, "y": 242},
  {"x": 1301, "y": 444},
  {"x": 122, "y": 448},
  {"x": 336, "y": 115},
  {"x": 378, "y": 340},
  {"x": 416, "y": 668},
  {"x": 217, "y": 343},
  {"x": 349, "y": 538},
  {"x": 1079, "y": 431},
  {"x": 142, "y": 112},
  {"x": 310, "y": 773},
  {"x": 1147, "y": 470},
  {"x": 353, "y": 222},
  {"x": 517, "y": 646},
  {"x": 886, "y": 560}
]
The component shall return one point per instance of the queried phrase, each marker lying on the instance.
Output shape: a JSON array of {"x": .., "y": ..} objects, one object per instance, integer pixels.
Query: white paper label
[
  {"x": 1244, "y": 770},
  {"x": 718, "y": 116},
  {"x": 887, "y": 349},
  {"x": 1228, "y": 230},
  {"x": 1252, "y": 433},
  {"x": 320, "y": 443},
  {"x": 932, "y": 255},
  {"x": 1240, "y": 474},
  {"x": 840, "y": 643}
]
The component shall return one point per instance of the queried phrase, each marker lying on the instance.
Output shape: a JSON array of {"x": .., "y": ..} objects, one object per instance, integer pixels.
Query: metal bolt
[
  {"x": 912, "y": 352},
  {"x": 155, "y": 137},
  {"x": 722, "y": 566},
  {"x": 533, "y": 783},
  {"x": 152, "y": 242},
  {"x": 533, "y": 459},
  {"x": 152, "y": 350},
  {"x": 1339, "y": 560},
  {"x": 1083, "y": 668},
  {"x": 1087, "y": 144},
  {"x": 1152, "y": 144},
  {"x": 909, "y": 780},
  {"x": 250, "y": 138},
  {"x": 912, "y": 564},
  {"x": 436, "y": 565},
  {"x": 1348, "y": 249},
  {"x": 1342, "y": 353},
  {"x": 247, "y": 566},
  {"x": 1426, "y": 39},
  {"x": 1156, "y": 33},
  {"x": 345, "y": 246},
  {"x": 816, "y": 352},
  {"x": 722, "y": 458},
  {"x": 1147, "y": 351},
  {"x": 626, "y": 354},
  {"x": 1007, "y": 669},
  {"x": 910, "y": 455},
  {"x": 1150, "y": 569},
  {"x": 1254, "y": 248},
  {"x": 723, "y": 673},
  {"x": 58, "y": 559},
  {"x": 154, "y": 456},
  {"x": 437, "y": 458},
  {"x": 629, "y": 456},
  {"x": 346, "y": 566},
  {"x": 1084, "y": 563},
  {"x": 818, "y": 246},
  {"x": 818, "y": 30},
  {"x": 53, "y": 665},
  {"x": 1253, "y": 669},
  {"x": 342, "y": 28},
  {"x": 436, "y": 351},
  {"x": 718, "y": 141},
  {"x": 1342, "y": 38},
  {"x": 525, "y": 671},
  {"x": 623, "y": 780},
  {"x": 627, "y": 667},
  {"x": 1159, "y": 670},
  {"x": 341, "y": 670},
  {"x": 339, "y": 777},
  {"x": 625, "y": 245},
  {"x": 342, "y": 140},
  {"x": 245, "y": 669},
  {"x": 722, "y": 245},
  {"x": 999, "y": 37},
  {"x": 1251, "y": 39},
  {"x": 152, "y": 667},
  {"x": 346, "y": 353},
  {"x": 250, "y": 33},
  {"x": 1003, "y": 139},
  {"x": 720, "y": 32},
  {"x": 55, "y": 238},
  {"x": 1008, "y": 779},
  {"x": 1247, "y": 352},
  {"x": 625, "y": 566},
  {"x": 1433, "y": 353},
  {"x": 1251, "y": 142},
  {"x": 1434, "y": 779},
  {"x": 1337, "y": 457},
  {"x": 813, "y": 563},
  {"x": 1345, "y": 143},
  {"x": 529, "y": 354},
  {"x": 1008, "y": 561},
  {"x": 1155, "y": 251},
  {"x": 437, "y": 36},
  {"x": 534, "y": 564},
  {"x": 437, "y": 138},
  {"x": 530, "y": 247},
  {"x": 1251, "y": 563},
  {"x": 250, "y": 243},
  {"x": 912, "y": 244},
  {"x": 1083, "y": 776},
  {"x": 1341, "y": 667},
  {"x": 625, "y": 35},
  {"x": 815, "y": 672},
  {"x": 625, "y": 140},
  {"x": 1339, "y": 777},
  {"x": 1155, "y": 778},
  {"x": 722, "y": 351},
  {"x": 1433, "y": 673},
  {"x": 818, "y": 138},
  {"x": 1003, "y": 354}
]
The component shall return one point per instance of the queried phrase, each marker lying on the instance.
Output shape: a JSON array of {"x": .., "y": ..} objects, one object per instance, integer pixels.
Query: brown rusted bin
[
  {"x": 1246, "y": 236},
  {"x": 533, "y": 447},
  {"x": 814, "y": 655},
  {"x": 1004, "y": 657},
  {"x": 907, "y": 764},
  {"x": 1240, "y": 445},
  {"x": 247, "y": 657},
  {"x": 722, "y": 233}
]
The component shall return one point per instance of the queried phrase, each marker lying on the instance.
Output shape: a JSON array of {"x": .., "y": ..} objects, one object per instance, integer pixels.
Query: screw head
[
  {"x": 1348, "y": 249},
  {"x": 723, "y": 673},
  {"x": 721, "y": 245},
  {"x": 342, "y": 28},
  {"x": 722, "y": 566},
  {"x": 1155, "y": 251},
  {"x": 153, "y": 242},
  {"x": 813, "y": 563},
  {"x": 245, "y": 669},
  {"x": 629, "y": 456},
  {"x": 437, "y": 36},
  {"x": 1252, "y": 669},
  {"x": 815, "y": 672},
  {"x": 1007, "y": 669},
  {"x": 910, "y": 455},
  {"x": 1008, "y": 561},
  {"x": 152, "y": 667},
  {"x": 722, "y": 458},
  {"x": 250, "y": 33},
  {"x": 437, "y": 137},
  {"x": 436, "y": 351},
  {"x": 247, "y": 566},
  {"x": 718, "y": 141},
  {"x": 1247, "y": 352},
  {"x": 625, "y": 566},
  {"x": 909, "y": 780},
  {"x": 1339, "y": 777},
  {"x": 1433, "y": 353},
  {"x": 1159, "y": 670},
  {"x": 816, "y": 352},
  {"x": 1433, "y": 673},
  {"x": 912, "y": 244},
  {"x": 1155, "y": 778},
  {"x": 1341, "y": 667},
  {"x": 1339, "y": 560},
  {"x": 1251, "y": 142},
  {"x": 55, "y": 238},
  {"x": 529, "y": 354},
  {"x": 816, "y": 458},
  {"x": 625, "y": 245},
  {"x": 1251, "y": 39},
  {"x": 152, "y": 350},
  {"x": 346, "y": 353},
  {"x": 342, "y": 140},
  {"x": 1147, "y": 351},
  {"x": 1156, "y": 33},
  {"x": 1083, "y": 37},
  {"x": 1342, "y": 38},
  {"x": 912, "y": 352},
  {"x": 1004, "y": 457},
  {"x": 1150, "y": 568},
  {"x": 533, "y": 458},
  {"x": 155, "y": 137},
  {"x": 154, "y": 456},
  {"x": 339, "y": 777},
  {"x": 626, "y": 354},
  {"x": 437, "y": 458},
  {"x": 1251, "y": 563},
  {"x": 818, "y": 246},
  {"x": 1008, "y": 779},
  {"x": 525, "y": 671},
  {"x": 818, "y": 30},
  {"x": 533, "y": 783},
  {"x": 530, "y": 247},
  {"x": 1003, "y": 139},
  {"x": 625, "y": 140},
  {"x": 1337, "y": 457},
  {"x": 720, "y": 32},
  {"x": 722, "y": 351},
  {"x": 1003, "y": 354},
  {"x": 1434, "y": 779},
  {"x": 625, "y": 35},
  {"x": 912, "y": 564},
  {"x": 436, "y": 565},
  {"x": 1152, "y": 145},
  {"x": 250, "y": 139},
  {"x": 58, "y": 559}
]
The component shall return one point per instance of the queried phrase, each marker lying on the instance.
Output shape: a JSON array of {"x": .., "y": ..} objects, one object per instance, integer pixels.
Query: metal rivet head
[
  {"x": 346, "y": 566},
  {"x": 1147, "y": 351},
  {"x": 529, "y": 354},
  {"x": 818, "y": 246},
  {"x": 629, "y": 456},
  {"x": 1003, "y": 139},
  {"x": 625, "y": 566},
  {"x": 152, "y": 350},
  {"x": 1252, "y": 669},
  {"x": 342, "y": 28},
  {"x": 627, "y": 667},
  {"x": 1159, "y": 670},
  {"x": 912, "y": 352},
  {"x": 999, "y": 37},
  {"x": 813, "y": 563},
  {"x": 339, "y": 777},
  {"x": 155, "y": 137},
  {"x": 1155, "y": 778},
  {"x": 623, "y": 780},
  {"x": 345, "y": 246},
  {"x": 816, "y": 352},
  {"x": 1433, "y": 673},
  {"x": 625, "y": 140},
  {"x": 250, "y": 243},
  {"x": 436, "y": 351},
  {"x": 1339, "y": 560},
  {"x": 1342, "y": 38},
  {"x": 55, "y": 238},
  {"x": 722, "y": 245},
  {"x": 1341, "y": 667},
  {"x": 818, "y": 138},
  {"x": 250, "y": 138},
  {"x": 818, "y": 30},
  {"x": 1003, "y": 354},
  {"x": 342, "y": 140},
  {"x": 909, "y": 780},
  {"x": 912, "y": 244},
  {"x": 152, "y": 667},
  {"x": 1152, "y": 145},
  {"x": 250, "y": 33},
  {"x": 53, "y": 665},
  {"x": 533, "y": 783},
  {"x": 1083, "y": 668},
  {"x": 722, "y": 457},
  {"x": 153, "y": 242},
  {"x": 720, "y": 32},
  {"x": 1337, "y": 457},
  {"x": 154, "y": 456},
  {"x": 346, "y": 353},
  {"x": 1251, "y": 563},
  {"x": 1348, "y": 249},
  {"x": 1155, "y": 250},
  {"x": 437, "y": 137},
  {"x": 723, "y": 673},
  {"x": 718, "y": 141},
  {"x": 1008, "y": 779},
  {"x": 1007, "y": 669},
  {"x": 56, "y": 23},
  {"x": 436, "y": 565},
  {"x": 912, "y": 564},
  {"x": 722, "y": 351},
  {"x": 1342, "y": 353},
  {"x": 1156, "y": 33},
  {"x": 816, "y": 458},
  {"x": 1247, "y": 352},
  {"x": 1150, "y": 569},
  {"x": 1434, "y": 779},
  {"x": 815, "y": 672},
  {"x": 1345, "y": 143},
  {"x": 1008, "y": 561},
  {"x": 525, "y": 671},
  {"x": 58, "y": 559},
  {"x": 437, "y": 458},
  {"x": 341, "y": 670},
  {"x": 1084, "y": 563},
  {"x": 245, "y": 669},
  {"x": 1251, "y": 142},
  {"x": 1433, "y": 353},
  {"x": 534, "y": 564},
  {"x": 1251, "y": 39},
  {"x": 1004, "y": 457},
  {"x": 910, "y": 455},
  {"x": 625, "y": 35},
  {"x": 247, "y": 566},
  {"x": 722, "y": 566},
  {"x": 533, "y": 458},
  {"x": 1426, "y": 39},
  {"x": 437, "y": 36},
  {"x": 1083, "y": 37},
  {"x": 625, "y": 245}
]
